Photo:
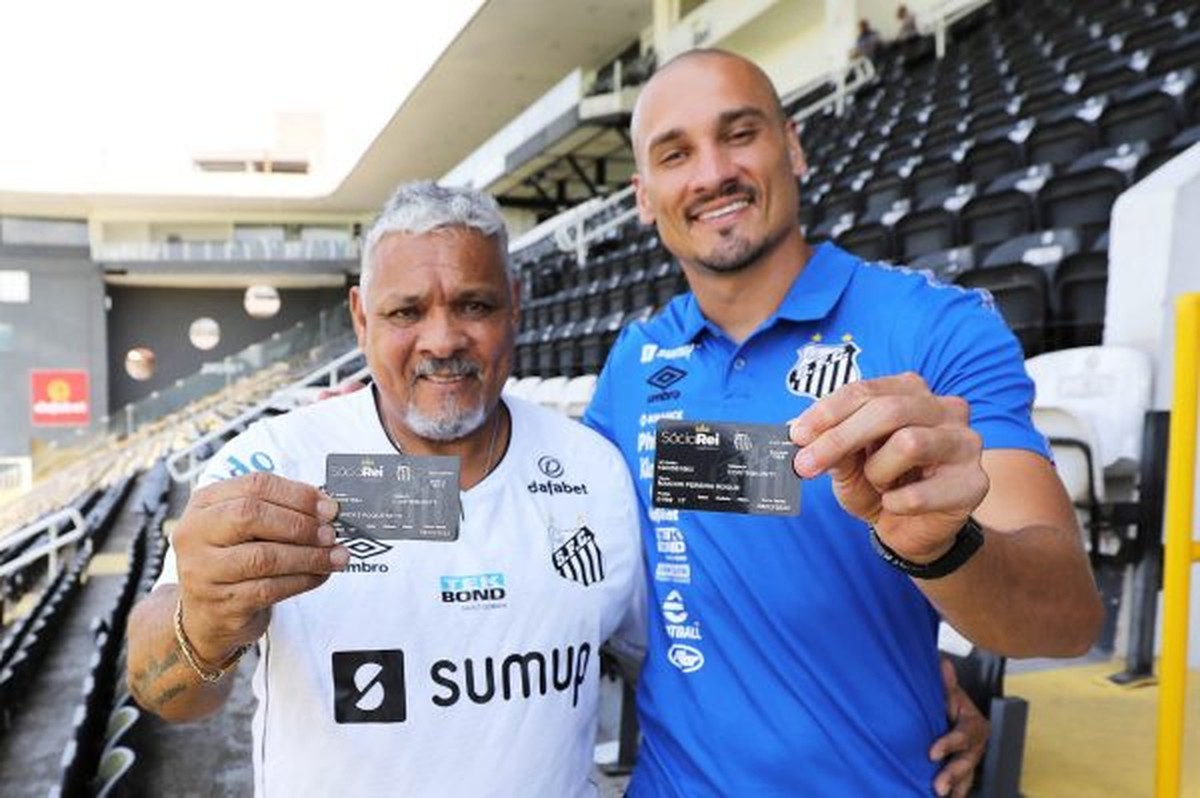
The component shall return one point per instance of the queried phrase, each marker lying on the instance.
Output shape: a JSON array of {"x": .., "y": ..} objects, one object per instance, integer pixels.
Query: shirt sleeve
[{"x": 967, "y": 350}]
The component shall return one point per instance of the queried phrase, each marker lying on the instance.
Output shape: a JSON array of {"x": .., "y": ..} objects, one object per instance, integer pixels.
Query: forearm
[
  {"x": 1026, "y": 592},
  {"x": 158, "y": 676}
]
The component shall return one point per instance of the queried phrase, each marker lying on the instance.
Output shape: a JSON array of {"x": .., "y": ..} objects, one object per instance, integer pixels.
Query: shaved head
[{"x": 664, "y": 81}]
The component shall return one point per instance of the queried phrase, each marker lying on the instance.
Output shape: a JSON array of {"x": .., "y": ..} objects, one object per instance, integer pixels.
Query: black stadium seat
[
  {"x": 1080, "y": 290},
  {"x": 1005, "y": 210},
  {"x": 994, "y": 152},
  {"x": 1065, "y": 134},
  {"x": 1158, "y": 157},
  {"x": 933, "y": 225},
  {"x": 1021, "y": 293},
  {"x": 1151, "y": 111},
  {"x": 1082, "y": 199}
]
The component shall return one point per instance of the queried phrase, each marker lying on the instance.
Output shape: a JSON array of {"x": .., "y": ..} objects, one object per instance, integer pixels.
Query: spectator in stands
[
  {"x": 908, "y": 24},
  {"x": 434, "y": 667},
  {"x": 415, "y": 666},
  {"x": 809, "y": 662},
  {"x": 868, "y": 43}
]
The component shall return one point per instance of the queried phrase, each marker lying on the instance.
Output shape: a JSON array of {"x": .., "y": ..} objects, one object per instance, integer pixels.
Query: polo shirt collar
[{"x": 812, "y": 296}]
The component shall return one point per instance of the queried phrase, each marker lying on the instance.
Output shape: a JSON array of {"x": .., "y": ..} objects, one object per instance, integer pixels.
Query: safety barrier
[{"x": 1181, "y": 547}]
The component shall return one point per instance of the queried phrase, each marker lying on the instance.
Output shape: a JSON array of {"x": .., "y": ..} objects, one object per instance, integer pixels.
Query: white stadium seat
[
  {"x": 578, "y": 394},
  {"x": 551, "y": 392},
  {"x": 524, "y": 387}
]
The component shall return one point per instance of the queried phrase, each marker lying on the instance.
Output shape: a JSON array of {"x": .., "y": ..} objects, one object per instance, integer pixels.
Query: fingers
[
  {"x": 864, "y": 414},
  {"x": 271, "y": 489},
  {"x": 955, "y": 779},
  {"x": 914, "y": 448},
  {"x": 259, "y": 507},
  {"x": 252, "y": 561}
]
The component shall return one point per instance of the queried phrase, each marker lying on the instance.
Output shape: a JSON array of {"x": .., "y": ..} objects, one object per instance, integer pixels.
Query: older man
[
  {"x": 407, "y": 666},
  {"x": 809, "y": 661}
]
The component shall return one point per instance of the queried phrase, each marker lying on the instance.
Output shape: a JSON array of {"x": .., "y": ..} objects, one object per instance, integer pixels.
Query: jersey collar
[{"x": 811, "y": 297}]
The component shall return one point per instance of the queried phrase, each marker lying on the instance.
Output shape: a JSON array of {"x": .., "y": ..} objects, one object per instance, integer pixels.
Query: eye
[
  {"x": 742, "y": 135},
  {"x": 407, "y": 313},
  {"x": 476, "y": 309},
  {"x": 671, "y": 157}
]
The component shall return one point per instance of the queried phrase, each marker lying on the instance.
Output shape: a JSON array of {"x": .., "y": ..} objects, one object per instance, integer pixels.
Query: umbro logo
[
  {"x": 363, "y": 548},
  {"x": 665, "y": 377}
]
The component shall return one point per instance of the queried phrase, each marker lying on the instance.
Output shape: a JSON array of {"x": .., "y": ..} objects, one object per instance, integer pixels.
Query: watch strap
[{"x": 966, "y": 543}]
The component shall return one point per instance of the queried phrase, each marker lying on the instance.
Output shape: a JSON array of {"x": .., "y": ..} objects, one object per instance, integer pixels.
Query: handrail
[
  {"x": 946, "y": 15},
  {"x": 846, "y": 80},
  {"x": 328, "y": 371},
  {"x": 48, "y": 549},
  {"x": 574, "y": 233},
  {"x": 1181, "y": 549}
]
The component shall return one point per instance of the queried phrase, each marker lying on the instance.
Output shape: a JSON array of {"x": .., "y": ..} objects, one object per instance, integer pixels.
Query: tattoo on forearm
[
  {"x": 171, "y": 692},
  {"x": 143, "y": 683}
]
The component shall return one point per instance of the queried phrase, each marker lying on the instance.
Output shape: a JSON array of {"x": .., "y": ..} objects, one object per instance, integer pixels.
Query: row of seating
[
  {"x": 26, "y": 640},
  {"x": 100, "y": 753}
]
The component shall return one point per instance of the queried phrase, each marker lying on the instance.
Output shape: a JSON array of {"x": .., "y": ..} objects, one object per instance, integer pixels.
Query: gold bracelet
[{"x": 190, "y": 656}]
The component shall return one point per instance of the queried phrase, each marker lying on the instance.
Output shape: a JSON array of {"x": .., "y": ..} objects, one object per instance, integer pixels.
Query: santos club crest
[{"x": 823, "y": 368}]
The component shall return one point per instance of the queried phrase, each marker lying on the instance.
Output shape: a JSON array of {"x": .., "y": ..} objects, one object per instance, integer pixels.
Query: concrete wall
[
  {"x": 62, "y": 326},
  {"x": 159, "y": 318}
]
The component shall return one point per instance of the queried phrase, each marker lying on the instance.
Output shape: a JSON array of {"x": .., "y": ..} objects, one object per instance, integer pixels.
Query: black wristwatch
[{"x": 966, "y": 543}]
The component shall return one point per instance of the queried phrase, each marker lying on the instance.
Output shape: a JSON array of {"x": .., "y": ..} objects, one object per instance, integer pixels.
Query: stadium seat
[
  {"x": 668, "y": 281},
  {"x": 1022, "y": 295},
  {"x": 939, "y": 171},
  {"x": 578, "y": 394},
  {"x": 1152, "y": 111},
  {"x": 933, "y": 225},
  {"x": 566, "y": 348},
  {"x": 1082, "y": 198},
  {"x": 114, "y": 766},
  {"x": 551, "y": 393},
  {"x": 1107, "y": 385},
  {"x": 995, "y": 152},
  {"x": 525, "y": 386},
  {"x": 1161, "y": 155},
  {"x": 1005, "y": 210},
  {"x": 1184, "y": 52},
  {"x": 1080, "y": 292},
  {"x": 1065, "y": 134},
  {"x": 947, "y": 264}
]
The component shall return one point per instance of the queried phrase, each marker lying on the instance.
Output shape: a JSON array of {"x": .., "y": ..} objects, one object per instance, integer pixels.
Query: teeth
[{"x": 724, "y": 210}]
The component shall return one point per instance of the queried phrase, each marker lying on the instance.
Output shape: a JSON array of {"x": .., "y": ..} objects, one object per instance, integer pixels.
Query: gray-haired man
[{"x": 401, "y": 666}]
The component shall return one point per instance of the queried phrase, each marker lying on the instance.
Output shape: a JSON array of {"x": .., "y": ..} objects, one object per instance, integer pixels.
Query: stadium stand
[{"x": 995, "y": 167}]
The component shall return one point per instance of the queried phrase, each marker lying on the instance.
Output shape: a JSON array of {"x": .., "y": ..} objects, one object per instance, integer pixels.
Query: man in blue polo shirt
[{"x": 797, "y": 655}]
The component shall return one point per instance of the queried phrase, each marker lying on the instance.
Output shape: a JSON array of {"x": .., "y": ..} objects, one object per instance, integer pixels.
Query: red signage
[{"x": 60, "y": 398}]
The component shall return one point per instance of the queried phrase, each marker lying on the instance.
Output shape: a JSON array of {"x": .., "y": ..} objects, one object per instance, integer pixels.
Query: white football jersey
[{"x": 448, "y": 668}]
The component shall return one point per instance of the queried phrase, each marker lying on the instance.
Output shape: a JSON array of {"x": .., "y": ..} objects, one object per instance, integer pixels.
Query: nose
[
  {"x": 442, "y": 335},
  {"x": 714, "y": 169}
]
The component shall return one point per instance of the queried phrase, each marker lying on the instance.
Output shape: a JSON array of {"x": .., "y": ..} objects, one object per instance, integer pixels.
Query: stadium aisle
[{"x": 31, "y": 750}]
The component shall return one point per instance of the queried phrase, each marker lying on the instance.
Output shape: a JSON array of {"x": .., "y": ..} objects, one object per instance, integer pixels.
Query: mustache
[
  {"x": 447, "y": 367},
  {"x": 730, "y": 188}
]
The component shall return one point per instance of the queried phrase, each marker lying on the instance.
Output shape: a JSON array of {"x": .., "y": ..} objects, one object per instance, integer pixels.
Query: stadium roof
[{"x": 127, "y": 106}]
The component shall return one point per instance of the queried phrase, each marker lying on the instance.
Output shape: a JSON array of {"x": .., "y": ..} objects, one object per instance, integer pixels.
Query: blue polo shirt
[{"x": 785, "y": 657}]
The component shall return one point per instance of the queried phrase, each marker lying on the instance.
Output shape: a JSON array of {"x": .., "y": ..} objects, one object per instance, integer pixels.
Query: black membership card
[
  {"x": 725, "y": 467},
  {"x": 394, "y": 496}
]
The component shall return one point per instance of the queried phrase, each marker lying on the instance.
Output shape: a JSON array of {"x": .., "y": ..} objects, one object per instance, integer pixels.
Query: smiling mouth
[{"x": 722, "y": 211}]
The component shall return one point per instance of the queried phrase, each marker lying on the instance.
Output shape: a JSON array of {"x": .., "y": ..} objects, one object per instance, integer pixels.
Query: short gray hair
[{"x": 423, "y": 206}]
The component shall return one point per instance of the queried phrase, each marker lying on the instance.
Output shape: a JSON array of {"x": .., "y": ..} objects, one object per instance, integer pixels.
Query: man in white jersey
[{"x": 408, "y": 666}]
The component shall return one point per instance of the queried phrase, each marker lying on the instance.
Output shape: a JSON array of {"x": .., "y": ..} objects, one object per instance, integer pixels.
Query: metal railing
[
  {"x": 185, "y": 464},
  {"x": 1182, "y": 549},
  {"x": 845, "y": 81},
  {"x": 75, "y": 529}
]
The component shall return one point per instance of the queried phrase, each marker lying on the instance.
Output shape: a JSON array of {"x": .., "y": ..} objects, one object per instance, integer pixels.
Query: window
[{"x": 14, "y": 287}]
